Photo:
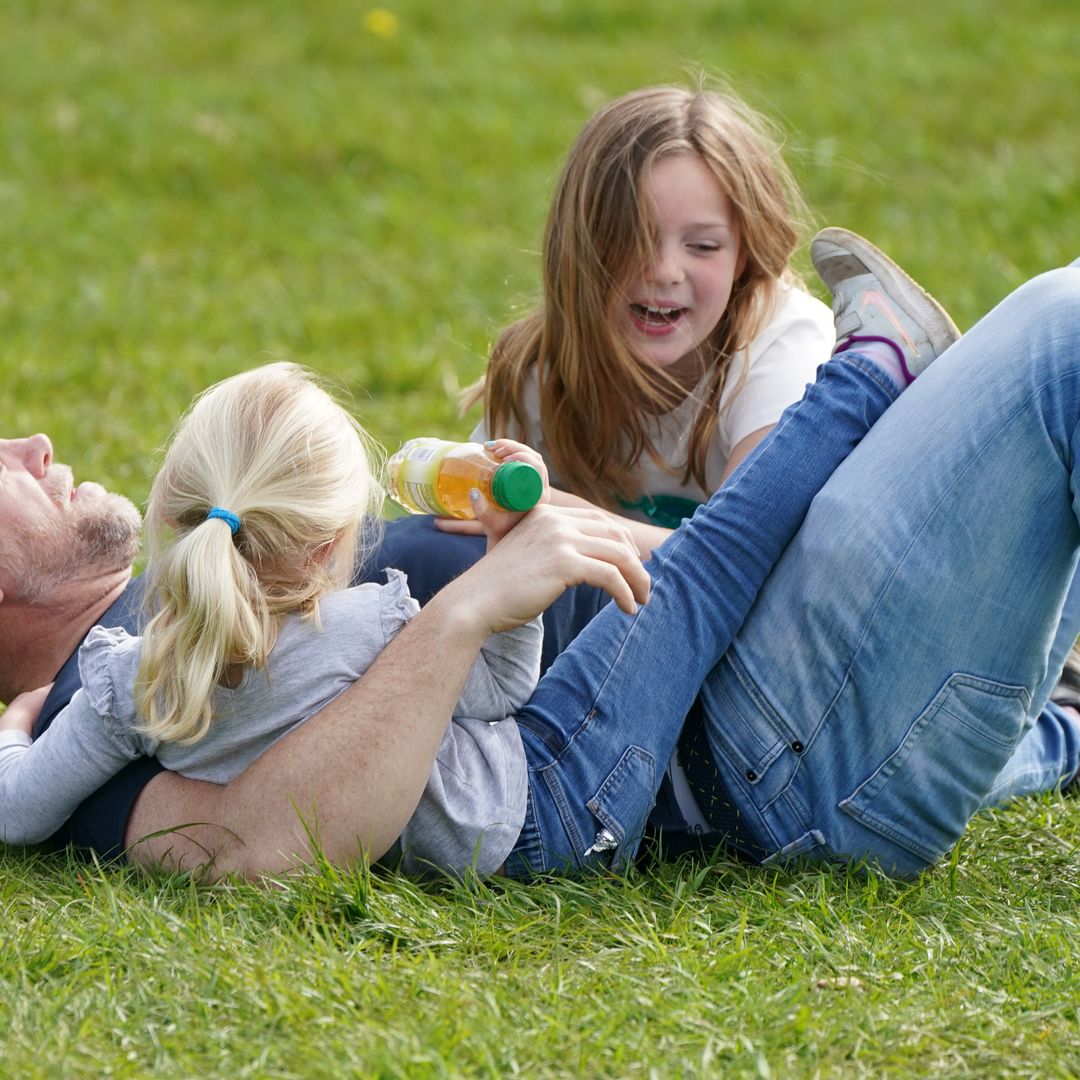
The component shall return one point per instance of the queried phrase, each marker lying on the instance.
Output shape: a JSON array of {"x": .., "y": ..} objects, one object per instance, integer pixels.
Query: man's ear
[{"x": 1, "y": 596}]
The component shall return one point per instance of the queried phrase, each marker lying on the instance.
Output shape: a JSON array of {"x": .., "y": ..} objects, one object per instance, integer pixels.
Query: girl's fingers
[{"x": 460, "y": 526}]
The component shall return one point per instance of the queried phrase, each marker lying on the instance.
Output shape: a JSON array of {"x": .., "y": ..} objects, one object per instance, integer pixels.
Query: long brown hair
[{"x": 596, "y": 395}]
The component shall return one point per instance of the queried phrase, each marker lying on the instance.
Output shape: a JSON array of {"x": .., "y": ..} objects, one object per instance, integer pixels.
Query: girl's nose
[{"x": 666, "y": 269}]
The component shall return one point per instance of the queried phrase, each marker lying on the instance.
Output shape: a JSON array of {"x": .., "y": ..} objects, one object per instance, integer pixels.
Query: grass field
[{"x": 191, "y": 188}]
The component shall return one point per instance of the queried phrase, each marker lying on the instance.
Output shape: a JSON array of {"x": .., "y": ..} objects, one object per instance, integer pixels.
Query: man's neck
[{"x": 37, "y": 639}]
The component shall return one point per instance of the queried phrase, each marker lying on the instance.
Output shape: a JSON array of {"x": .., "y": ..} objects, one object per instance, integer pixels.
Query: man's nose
[{"x": 35, "y": 453}]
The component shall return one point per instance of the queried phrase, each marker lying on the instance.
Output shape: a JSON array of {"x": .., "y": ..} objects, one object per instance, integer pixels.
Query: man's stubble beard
[{"x": 99, "y": 538}]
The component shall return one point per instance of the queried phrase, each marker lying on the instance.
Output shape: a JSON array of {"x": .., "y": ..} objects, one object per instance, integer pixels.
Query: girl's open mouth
[{"x": 656, "y": 318}]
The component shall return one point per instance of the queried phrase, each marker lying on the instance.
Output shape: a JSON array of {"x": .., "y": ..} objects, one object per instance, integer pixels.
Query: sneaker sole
[{"x": 917, "y": 304}]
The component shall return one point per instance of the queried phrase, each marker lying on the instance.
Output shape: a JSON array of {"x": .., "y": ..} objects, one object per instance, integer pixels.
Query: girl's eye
[{"x": 705, "y": 246}]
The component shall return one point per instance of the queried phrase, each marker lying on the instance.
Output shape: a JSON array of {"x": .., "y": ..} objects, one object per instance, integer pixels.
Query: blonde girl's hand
[
  {"x": 503, "y": 450},
  {"x": 23, "y": 711}
]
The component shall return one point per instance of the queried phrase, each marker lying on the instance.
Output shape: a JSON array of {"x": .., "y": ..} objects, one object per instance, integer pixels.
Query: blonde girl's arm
[
  {"x": 42, "y": 783},
  {"x": 21, "y": 715}
]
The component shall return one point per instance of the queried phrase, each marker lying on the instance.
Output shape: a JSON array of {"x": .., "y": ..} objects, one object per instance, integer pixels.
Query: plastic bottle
[{"x": 434, "y": 476}]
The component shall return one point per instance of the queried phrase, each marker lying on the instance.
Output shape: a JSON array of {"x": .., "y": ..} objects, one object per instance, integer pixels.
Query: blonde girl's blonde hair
[
  {"x": 597, "y": 397},
  {"x": 274, "y": 448}
]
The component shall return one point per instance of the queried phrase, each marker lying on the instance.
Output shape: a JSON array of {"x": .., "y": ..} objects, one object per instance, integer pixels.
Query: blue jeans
[
  {"x": 891, "y": 677},
  {"x": 603, "y": 722}
]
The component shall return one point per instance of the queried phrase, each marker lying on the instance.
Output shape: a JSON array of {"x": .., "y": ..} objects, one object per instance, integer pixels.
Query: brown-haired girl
[{"x": 672, "y": 331}]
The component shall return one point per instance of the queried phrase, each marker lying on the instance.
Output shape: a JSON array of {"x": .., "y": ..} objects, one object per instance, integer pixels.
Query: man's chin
[{"x": 107, "y": 532}]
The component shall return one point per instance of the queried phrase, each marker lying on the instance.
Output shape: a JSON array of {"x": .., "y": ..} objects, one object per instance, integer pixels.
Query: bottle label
[{"x": 413, "y": 472}]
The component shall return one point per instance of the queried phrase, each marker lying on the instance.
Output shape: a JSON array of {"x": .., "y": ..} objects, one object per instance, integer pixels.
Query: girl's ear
[
  {"x": 744, "y": 259},
  {"x": 325, "y": 552}
]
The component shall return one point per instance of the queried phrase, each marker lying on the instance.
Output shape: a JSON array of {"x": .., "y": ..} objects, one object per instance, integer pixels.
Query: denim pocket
[
  {"x": 745, "y": 731},
  {"x": 622, "y": 805},
  {"x": 924, "y": 793}
]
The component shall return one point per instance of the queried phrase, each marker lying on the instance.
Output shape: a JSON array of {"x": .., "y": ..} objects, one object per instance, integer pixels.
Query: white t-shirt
[{"x": 779, "y": 363}]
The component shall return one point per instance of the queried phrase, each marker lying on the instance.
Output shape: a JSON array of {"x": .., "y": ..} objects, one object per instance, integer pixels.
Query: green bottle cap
[{"x": 516, "y": 485}]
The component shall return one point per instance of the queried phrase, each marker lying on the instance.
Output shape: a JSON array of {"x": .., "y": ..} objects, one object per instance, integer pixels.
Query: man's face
[{"x": 53, "y": 532}]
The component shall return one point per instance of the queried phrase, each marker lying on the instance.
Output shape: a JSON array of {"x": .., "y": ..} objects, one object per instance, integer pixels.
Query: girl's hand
[
  {"x": 509, "y": 450},
  {"x": 496, "y": 523},
  {"x": 493, "y": 521},
  {"x": 23, "y": 711}
]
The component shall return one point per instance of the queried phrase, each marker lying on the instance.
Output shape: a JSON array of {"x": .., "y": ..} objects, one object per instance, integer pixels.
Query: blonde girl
[
  {"x": 254, "y": 515},
  {"x": 253, "y": 523},
  {"x": 671, "y": 332}
]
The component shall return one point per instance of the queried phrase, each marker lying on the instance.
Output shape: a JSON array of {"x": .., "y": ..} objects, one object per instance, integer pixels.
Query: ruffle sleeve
[
  {"x": 396, "y": 603},
  {"x": 108, "y": 661}
]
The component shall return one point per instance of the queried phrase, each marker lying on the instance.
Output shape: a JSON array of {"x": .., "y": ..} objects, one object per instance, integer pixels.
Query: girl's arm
[
  {"x": 42, "y": 783},
  {"x": 646, "y": 536},
  {"x": 505, "y": 674},
  {"x": 742, "y": 450}
]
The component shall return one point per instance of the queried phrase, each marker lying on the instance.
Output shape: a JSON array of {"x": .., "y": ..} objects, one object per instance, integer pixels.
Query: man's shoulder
[{"x": 122, "y": 614}]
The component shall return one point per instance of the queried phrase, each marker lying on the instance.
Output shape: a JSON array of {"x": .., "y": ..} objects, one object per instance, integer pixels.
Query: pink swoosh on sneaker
[{"x": 872, "y": 298}]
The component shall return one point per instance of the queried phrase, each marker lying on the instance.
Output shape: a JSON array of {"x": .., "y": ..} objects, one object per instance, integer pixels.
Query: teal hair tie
[{"x": 227, "y": 516}]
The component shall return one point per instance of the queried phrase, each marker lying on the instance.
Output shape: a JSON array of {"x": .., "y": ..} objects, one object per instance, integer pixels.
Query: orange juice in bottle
[{"x": 434, "y": 476}]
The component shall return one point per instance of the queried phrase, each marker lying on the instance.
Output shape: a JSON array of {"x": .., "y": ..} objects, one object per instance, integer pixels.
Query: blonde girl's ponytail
[{"x": 256, "y": 513}]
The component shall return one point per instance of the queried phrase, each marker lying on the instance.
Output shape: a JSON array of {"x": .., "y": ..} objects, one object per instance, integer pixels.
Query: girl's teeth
[{"x": 656, "y": 314}]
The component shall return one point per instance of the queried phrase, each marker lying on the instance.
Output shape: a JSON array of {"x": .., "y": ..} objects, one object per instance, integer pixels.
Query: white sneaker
[{"x": 874, "y": 300}]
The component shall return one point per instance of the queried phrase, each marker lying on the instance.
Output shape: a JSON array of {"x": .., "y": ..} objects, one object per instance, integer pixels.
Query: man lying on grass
[{"x": 909, "y": 722}]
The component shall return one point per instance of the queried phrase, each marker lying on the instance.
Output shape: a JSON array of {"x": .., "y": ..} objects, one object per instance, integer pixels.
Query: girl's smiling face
[{"x": 675, "y": 305}]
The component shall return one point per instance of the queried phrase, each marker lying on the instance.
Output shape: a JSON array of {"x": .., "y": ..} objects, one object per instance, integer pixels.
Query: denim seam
[
  {"x": 529, "y": 840},
  {"x": 867, "y": 366},
  {"x": 788, "y": 791},
  {"x": 561, "y": 803},
  {"x": 892, "y": 763},
  {"x": 781, "y": 731},
  {"x": 788, "y": 796},
  {"x": 1019, "y": 411},
  {"x": 542, "y": 731},
  {"x": 980, "y": 732}
]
